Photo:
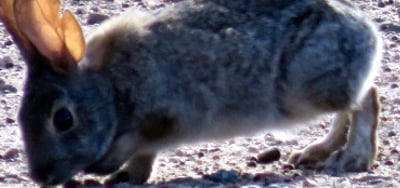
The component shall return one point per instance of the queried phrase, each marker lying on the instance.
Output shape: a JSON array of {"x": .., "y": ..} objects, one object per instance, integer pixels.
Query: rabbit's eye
[{"x": 63, "y": 120}]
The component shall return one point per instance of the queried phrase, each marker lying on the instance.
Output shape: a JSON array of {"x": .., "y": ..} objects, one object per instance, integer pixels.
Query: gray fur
[{"x": 193, "y": 71}]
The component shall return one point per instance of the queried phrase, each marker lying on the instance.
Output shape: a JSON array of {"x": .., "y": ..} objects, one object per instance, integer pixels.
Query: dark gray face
[{"x": 67, "y": 124}]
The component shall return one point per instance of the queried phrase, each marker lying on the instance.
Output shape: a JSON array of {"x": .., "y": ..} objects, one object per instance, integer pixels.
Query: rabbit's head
[{"x": 66, "y": 116}]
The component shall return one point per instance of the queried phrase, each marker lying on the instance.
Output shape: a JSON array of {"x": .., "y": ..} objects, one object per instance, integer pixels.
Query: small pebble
[
  {"x": 8, "y": 43},
  {"x": 389, "y": 163},
  {"x": 94, "y": 9},
  {"x": 383, "y": 118},
  {"x": 252, "y": 164},
  {"x": 10, "y": 154},
  {"x": 96, "y": 18},
  {"x": 269, "y": 156},
  {"x": 394, "y": 151},
  {"x": 180, "y": 153},
  {"x": 387, "y": 69},
  {"x": 6, "y": 62},
  {"x": 214, "y": 150},
  {"x": 391, "y": 133},
  {"x": 10, "y": 120},
  {"x": 162, "y": 164},
  {"x": 385, "y": 142},
  {"x": 258, "y": 177},
  {"x": 200, "y": 154},
  {"x": 381, "y": 4},
  {"x": 8, "y": 89},
  {"x": 125, "y": 5},
  {"x": 80, "y": 11}
]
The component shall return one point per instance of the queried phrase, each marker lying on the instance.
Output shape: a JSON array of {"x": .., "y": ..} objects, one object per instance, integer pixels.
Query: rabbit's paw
[
  {"x": 345, "y": 160},
  {"x": 315, "y": 155},
  {"x": 319, "y": 158},
  {"x": 136, "y": 171},
  {"x": 312, "y": 157},
  {"x": 351, "y": 143}
]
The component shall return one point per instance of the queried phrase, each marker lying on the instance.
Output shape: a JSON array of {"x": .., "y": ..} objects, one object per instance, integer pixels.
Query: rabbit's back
[{"x": 241, "y": 62}]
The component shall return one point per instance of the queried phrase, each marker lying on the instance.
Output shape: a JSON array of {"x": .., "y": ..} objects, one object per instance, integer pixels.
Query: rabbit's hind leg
[
  {"x": 137, "y": 170},
  {"x": 360, "y": 150},
  {"x": 350, "y": 146}
]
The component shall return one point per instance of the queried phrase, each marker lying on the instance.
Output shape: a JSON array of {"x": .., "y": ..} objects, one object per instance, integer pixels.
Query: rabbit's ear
[
  {"x": 73, "y": 36},
  {"x": 58, "y": 39},
  {"x": 38, "y": 25},
  {"x": 8, "y": 18}
]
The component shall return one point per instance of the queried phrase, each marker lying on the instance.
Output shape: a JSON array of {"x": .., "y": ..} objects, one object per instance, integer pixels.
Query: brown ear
[
  {"x": 73, "y": 37},
  {"x": 41, "y": 31},
  {"x": 8, "y": 18},
  {"x": 37, "y": 22}
]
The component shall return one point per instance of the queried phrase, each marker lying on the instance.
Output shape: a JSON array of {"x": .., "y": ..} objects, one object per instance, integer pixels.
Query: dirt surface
[{"x": 229, "y": 163}]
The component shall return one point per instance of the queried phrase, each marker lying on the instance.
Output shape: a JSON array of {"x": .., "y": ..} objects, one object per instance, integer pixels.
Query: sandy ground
[{"x": 230, "y": 163}]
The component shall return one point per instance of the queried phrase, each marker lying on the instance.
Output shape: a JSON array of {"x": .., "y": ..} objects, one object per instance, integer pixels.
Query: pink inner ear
[
  {"x": 60, "y": 40},
  {"x": 38, "y": 29},
  {"x": 50, "y": 10},
  {"x": 73, "y": 36},
  {"x": 8, "y": 18}
]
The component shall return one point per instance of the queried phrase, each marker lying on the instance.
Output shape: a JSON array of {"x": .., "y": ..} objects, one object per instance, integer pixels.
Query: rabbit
[{"x": 193, "y": 71}]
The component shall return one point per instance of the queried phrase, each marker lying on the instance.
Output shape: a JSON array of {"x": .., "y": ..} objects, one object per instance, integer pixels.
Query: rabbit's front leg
[
  {"x": 345, "y": 150},
  {"x": 137, "y": 170},
  {"x": 315, "y": 154}
]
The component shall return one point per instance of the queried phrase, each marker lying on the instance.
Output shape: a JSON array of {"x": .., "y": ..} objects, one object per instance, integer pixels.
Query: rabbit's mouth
[
  {"x": 107, "y": 164},
  {"x": 119, "y": 152}
]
